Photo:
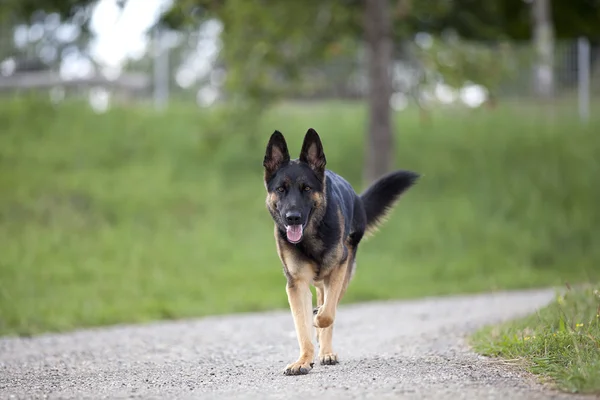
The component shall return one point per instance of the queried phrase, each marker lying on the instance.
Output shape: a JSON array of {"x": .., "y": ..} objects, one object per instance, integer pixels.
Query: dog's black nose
[{"x": 293, "y": 218}]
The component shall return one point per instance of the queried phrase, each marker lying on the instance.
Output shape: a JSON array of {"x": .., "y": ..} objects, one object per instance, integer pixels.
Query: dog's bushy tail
[{"x": 382, "y": 195}]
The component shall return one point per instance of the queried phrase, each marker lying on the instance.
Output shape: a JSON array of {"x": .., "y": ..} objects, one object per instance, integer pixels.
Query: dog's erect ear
[
  {"x": 277, "y": 154},
  {"x": 312, "y": 152}
]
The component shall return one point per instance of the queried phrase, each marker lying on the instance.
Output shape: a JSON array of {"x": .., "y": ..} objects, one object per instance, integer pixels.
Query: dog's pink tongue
[{"x": 294, "y": 233}]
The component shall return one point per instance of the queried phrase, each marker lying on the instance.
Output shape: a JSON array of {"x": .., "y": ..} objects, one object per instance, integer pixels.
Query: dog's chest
[
  {"x": 322, "y": 257},
  {"x": 313, "y": 249}
]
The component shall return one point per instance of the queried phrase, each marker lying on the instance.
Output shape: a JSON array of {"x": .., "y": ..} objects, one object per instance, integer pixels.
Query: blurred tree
[
  {"x": 268, "y": 43},
  {"x": 378, "y": 35}
]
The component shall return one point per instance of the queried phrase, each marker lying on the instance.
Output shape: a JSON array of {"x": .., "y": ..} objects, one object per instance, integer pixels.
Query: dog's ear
[
  {"x": 312, "y": 152},
  {"x": 276, "y": 155}
]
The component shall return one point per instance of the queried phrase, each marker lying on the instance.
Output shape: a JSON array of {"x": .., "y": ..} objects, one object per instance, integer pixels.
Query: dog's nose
[{"x": 293, "y": 217}]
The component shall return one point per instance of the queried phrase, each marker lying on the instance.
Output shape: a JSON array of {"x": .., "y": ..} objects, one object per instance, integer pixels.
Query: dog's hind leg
[
  {"x": 329, "y": 295},
  {"x": 334, "y": 285},
  {"x": 324, "y": 335},
  {"x": 320, "y": 297}
]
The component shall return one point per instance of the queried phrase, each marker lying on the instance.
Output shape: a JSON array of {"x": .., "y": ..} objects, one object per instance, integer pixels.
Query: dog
[{"x": 319, "y": 223}]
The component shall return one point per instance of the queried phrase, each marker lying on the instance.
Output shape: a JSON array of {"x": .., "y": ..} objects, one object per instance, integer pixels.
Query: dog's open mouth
[{"x": 294, "y": 233}]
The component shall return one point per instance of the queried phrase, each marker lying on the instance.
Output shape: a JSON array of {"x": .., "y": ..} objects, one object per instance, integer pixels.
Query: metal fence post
[{"x": 583, "y": 78}]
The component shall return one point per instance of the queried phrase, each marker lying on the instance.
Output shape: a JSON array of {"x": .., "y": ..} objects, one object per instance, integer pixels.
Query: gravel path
[{"x": 411, "y": 349}]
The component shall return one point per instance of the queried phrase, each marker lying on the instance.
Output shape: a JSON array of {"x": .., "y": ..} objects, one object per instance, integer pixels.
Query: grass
[
  {"x": 560, "y": 342},
  {"x": 133, "y": 215}
]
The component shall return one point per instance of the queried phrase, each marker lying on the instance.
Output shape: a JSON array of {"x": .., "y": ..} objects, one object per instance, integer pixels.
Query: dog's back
[{"x": 363, "y": 213}]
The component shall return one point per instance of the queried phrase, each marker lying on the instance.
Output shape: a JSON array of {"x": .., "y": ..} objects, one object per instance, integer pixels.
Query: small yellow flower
[
  {"x": 554, "y": 334},
  {"x": 526, "y": 338},
  {"x": 578, "y": 325}
]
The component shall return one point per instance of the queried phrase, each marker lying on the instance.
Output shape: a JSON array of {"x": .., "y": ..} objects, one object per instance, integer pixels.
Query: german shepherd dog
[{"x": 319, "y": 223}]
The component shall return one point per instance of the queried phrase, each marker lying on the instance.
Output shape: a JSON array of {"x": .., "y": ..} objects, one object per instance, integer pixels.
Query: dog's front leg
[{"x": 300, "y": 299}]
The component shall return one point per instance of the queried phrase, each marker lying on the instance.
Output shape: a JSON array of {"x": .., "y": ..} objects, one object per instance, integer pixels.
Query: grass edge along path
[{"x": 560, "y": 343}]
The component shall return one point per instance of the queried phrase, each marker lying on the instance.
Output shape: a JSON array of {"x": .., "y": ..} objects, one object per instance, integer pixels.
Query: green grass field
[
  {"x": 560, "y": 342},
  {"x": 133, "y": 216}
]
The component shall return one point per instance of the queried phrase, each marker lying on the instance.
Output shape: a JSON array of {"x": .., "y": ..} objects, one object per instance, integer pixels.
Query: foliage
[
  {"x": 268, "y": 46},
  {"x": 471, "y": 19},
  {"x": 132, "y": 216},
  {"x": 272, "y": 48},
  {"x": 25, "y": 10},
  {"x": 561, "y": 341},
  {"x": 511, "y": 19}
]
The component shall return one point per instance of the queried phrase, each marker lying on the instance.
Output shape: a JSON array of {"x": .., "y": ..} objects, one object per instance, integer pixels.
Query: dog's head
[{"x": 296, "y": 188}]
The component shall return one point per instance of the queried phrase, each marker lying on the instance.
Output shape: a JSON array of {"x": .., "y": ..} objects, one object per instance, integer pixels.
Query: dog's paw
[
  {"x": 322, "y": 320},
  {"x": 300, "y": 367},
  {"x": 328, "y": 359}
]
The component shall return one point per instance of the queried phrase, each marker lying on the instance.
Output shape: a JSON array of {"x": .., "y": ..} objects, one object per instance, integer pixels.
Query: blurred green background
[
  {"x": 132, "y": 215},
  {"x": 118, "y": 207}
]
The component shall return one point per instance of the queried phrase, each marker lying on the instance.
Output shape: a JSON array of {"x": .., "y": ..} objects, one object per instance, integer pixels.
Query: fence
[{"x": 185, "y": 66}]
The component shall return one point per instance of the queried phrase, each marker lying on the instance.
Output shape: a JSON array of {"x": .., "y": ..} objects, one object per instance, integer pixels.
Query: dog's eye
[
  {"x": 280, "y": 189},
  {"x": 307, "y": 188}
]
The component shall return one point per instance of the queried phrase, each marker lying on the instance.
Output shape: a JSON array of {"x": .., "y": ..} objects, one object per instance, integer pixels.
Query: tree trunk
[
  {"x": 543, "y": 41},
  {"x": 380, "y": 143}
]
